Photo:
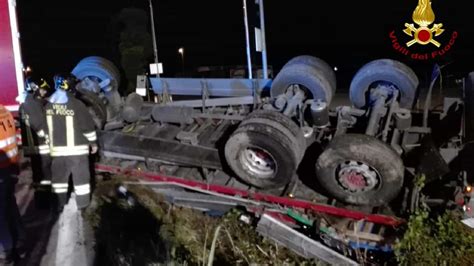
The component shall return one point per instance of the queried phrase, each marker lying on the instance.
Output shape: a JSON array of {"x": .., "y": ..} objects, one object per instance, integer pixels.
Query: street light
[{"x": 181, "y": 52}]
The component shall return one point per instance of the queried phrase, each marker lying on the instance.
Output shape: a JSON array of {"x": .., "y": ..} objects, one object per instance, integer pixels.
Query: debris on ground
[{"x": 136, "y": 226}]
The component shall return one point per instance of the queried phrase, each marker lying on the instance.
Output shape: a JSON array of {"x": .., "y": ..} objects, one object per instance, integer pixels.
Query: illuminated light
[
  {"x": 291, "y": 195},
  {"x": 336, "y": 69},
  {"x": 464, "y": 208},
  {"x": 181, "y": 50},
  {"x": 468, "y": 189}
]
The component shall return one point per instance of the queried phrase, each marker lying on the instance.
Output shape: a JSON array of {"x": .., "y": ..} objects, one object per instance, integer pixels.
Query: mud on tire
[
  {"x": 311, "y": 79},
  {"x": 316, "y": 63},
  {"x": 282, "y": 123},
  {"x": 386, "y": 71},
  {"x": 261, "y": 155},
  {"x": 361, "y": 170}
]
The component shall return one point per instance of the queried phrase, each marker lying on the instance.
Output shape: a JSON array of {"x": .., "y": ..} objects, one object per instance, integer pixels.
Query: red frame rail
[{"x": 282, "y": 201}]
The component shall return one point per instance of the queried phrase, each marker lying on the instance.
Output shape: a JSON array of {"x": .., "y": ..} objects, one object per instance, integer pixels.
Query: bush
[{"x": 441, "y": 240}]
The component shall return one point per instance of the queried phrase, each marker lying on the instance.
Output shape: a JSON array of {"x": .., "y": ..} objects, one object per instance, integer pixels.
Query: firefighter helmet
[
  {"x": 66, "y": 82},
  {"x": 32, "y": 84}
]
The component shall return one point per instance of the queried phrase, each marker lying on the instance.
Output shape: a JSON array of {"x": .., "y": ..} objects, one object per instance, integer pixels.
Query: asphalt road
[{"x": 51, "y": 239}]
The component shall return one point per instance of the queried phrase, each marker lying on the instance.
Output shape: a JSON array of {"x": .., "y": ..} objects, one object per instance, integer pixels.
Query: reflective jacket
[
  {"x": 71, "y": 128},
  {"x": 35, "y": 139},
  {"x": 8, "y": 147}
]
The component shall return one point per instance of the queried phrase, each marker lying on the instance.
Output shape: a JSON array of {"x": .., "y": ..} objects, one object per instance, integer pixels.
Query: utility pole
[
  {"x": 247, "y": 38},
  {"x": 264, "y": 45},
  {"x": 155, "y": 48}
]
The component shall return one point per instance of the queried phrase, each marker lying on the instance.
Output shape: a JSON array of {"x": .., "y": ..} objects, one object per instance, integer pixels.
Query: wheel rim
[
  {"x": 258, "y": 162},
  {"x": 357, "y": 177}
]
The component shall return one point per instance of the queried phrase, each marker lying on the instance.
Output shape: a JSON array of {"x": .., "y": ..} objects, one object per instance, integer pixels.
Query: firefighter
[
  {"x": 10, "y": 224},
  {"x": 72, "y": 138},
  {"x": 35, "y": 139}
]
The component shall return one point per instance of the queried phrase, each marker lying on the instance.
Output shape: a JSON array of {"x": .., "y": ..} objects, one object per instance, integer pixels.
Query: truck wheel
[
  {"x": 317, "y": 63},
  {"x": 96, "y": 107},
  {"x": 283, "y": 123},
  {"x": 105, "y": 63},
  {"x": 360, "y": 169},
  {"x": 261, "y": 155},
  {"x": 384, "y": 71},
  {"x": 313, "y": 81},
  {"x": 98, "y": 69}
]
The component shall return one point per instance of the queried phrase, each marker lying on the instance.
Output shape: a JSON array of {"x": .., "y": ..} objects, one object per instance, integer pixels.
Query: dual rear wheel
[{"x": 268, "y": 146}]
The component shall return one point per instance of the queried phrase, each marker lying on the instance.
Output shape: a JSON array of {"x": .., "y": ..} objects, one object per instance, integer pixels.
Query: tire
[
  {"x": 384, "y": 166},
  {"x": 312, "y": 79},
  {"x": 283, "y": 123},
  {"x": 264, "y": 139},
  {"x": 317, "y": 63},
  {"x": 105, "y": 63},
  {"x": 96, "y": 107},
  {"x": 100, "y": 68},
  {"x": 388, "y": 71}
]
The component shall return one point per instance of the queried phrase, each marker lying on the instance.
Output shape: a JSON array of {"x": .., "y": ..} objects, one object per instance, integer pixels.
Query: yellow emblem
[{"x": 423, "y": 16}]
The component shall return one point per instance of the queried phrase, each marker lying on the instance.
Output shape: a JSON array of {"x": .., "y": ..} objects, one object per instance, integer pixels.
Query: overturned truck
[
  {"x": 261, "y": 134},
  {"x": 259, "y": 130}
]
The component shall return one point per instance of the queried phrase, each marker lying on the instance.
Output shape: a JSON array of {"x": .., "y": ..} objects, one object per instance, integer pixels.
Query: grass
[{"x": 140, "y": 228}]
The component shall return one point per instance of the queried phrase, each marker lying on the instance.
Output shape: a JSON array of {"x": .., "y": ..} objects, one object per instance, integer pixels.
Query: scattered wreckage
[{"x": 279, "y": 146}]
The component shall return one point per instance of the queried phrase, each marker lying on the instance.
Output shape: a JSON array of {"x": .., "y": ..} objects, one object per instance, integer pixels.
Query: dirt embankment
[{"x": 138, "y": 227}]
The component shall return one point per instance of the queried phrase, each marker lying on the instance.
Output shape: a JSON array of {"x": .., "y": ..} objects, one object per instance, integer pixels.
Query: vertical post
[
  {"x": 155, "y": 49},
  {"x": 264, "y": 45},
  {"x": 247, "y": 39},
  {"x": 181, "y": 52}
]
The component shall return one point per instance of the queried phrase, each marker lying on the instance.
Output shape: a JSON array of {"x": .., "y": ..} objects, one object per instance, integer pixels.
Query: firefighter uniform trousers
[
  {"x": 77, "y": 166},
  {"x": 10, "y": 224},
  {"x": 71, "y": 131},
  {"x": 35, "y": 140}
]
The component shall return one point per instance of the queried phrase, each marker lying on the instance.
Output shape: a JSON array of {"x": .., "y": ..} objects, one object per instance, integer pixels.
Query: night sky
[{"x": 55, "y": 35}]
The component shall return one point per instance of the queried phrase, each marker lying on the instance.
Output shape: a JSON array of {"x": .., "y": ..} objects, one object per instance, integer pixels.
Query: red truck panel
[{"x": 8, "y": 69}]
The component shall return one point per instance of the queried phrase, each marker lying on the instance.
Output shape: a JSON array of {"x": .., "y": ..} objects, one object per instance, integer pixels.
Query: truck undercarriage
[{"x": 234, "y": 139}]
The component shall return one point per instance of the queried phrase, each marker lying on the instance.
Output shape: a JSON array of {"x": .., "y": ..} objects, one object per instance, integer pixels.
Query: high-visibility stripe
[
  {"x": 43, "y": 149},
  {"x": 67, "y": 151},
  {"x": 12, "y": 153},
  {"x": 70, "y": 131},
  {"x": 82, "y": 193},
  {"x": 60, "y": 185},
  {"x": 82, "y": 190},
  {"x": 41, "y": 133},
  {"x": 7, "y": 142},
  {"x": 66, "y": 148},
  {"x": 59, "y": 190},
  {"x": 49, "y": 121},
  {"x": 45, "y": 182},
  {"x": 8, "y": 155},
  {"x": 85, "y": 186},
  {"x": 72, "y": 153},
  {"x": 92, "y": 136}
]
